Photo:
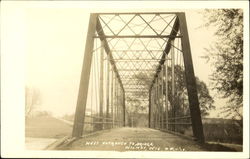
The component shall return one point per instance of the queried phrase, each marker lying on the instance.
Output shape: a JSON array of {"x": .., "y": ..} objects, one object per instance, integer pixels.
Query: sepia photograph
[{"x": 109, "y": 79}]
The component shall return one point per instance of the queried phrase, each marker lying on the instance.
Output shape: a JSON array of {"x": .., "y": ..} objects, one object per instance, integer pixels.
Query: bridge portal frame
[{"x": 179, "y": 24}]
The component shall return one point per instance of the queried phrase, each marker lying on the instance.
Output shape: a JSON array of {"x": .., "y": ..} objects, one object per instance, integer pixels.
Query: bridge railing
[
  {"x": 169, "y": 96},
  {"x": 174, "y": 104},
  {"x": 105, "y": 98}
]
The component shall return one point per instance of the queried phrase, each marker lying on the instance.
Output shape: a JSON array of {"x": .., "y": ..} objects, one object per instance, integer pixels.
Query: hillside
[{"x": 46, "y": 127}]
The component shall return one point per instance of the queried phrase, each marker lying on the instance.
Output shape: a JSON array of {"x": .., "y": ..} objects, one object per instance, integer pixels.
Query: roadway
[{"x": 133, "y": 139}]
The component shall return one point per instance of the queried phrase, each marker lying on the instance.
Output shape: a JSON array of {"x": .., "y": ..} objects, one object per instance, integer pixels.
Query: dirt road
[{"x": 134, "y": 139}]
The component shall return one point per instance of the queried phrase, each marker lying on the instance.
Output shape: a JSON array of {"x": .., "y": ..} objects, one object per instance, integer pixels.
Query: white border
[{"x": 12, "y": 78}]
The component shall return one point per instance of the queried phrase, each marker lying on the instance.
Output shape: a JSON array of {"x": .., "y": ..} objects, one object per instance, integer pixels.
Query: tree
[
  {"x": 43, "y": 114},
  {"x": 32, "y": 100},
  {"x": 134, "y": 108},
  {"x": 135, "y": 105},
  {"x": 226, "y": 55},
  {"x": 181, "y": 96}
]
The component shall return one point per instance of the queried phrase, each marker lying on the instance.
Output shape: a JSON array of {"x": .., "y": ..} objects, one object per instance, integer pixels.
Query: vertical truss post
[
  {"x": 124, "y": 109},
  {"x": 153, "y": 104},
  {"x": 112, "y": 97},
  {"x": 115, "y": 102},
  {"x": 157, "y": 99},
  {"x": 155, "y": 107},
  {"x": 149, "y": 108},
  {"x": 191, "y": 82},
  {"x": 166, "y": 91},
  {"x": 159, "y": 92},
  {"x": 101, "y": 84},
  {"x": 116, "y": 111},
  {"x": 107, "y": 90},
  {"x": 119, "y": 117},
  {"x": 84, "y": 81},
  {"x": 122, "y": 118},
  {"x": 117, "y": 105},
  {"x": 173, "y": 84},
  {"x": 121, "y": 107},
  {"x": 162, "y": 101}
]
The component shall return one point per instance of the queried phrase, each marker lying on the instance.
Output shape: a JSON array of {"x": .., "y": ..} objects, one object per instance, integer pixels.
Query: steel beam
[
  {"x": 84, "y": 81},
  {"x": 157, "y": 102},
  {"x": 130, "y": 51},
  {"x": 136, "y": 60},
  {"x": 137, "y": 13},
  {"x": 112, "y": 97},
  {"x": 191, "y": 81},
  {"x": 167, "y": 48},
  {"x": 124, "y": 109},
  {"x": 135, "y": 84},
  {"x": 136, "y": 69},
  {"x": 155, "y": 108},
  {"x": 173, "y": 82},
  {"x": 166, "y": 93},
  {"x": 137, "y": 36},
  {"x": 135, "y": 91},
  {"x": 101, "y": 84},
  {"x": 149, "y": 109},
  {"x": 129, "y": 78},
  {"x": 117, "y": 104},
  {"x": 116, "y": 94},
  {"x": 107, "y": 49},
  {"x": 162, "y": 102},
  {"x": 107, "y": 88},
  {"x": 138, "y": 99}
]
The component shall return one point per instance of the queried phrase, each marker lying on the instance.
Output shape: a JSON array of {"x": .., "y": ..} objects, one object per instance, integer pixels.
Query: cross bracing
[
  {"x": 137, "y": 41},
  {"x": 138, "y": 55}
]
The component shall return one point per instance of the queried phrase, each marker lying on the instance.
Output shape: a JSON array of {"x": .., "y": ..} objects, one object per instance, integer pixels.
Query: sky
[
  {"x": 54, "y": 41},
  {"x": 55, "y": 53}
]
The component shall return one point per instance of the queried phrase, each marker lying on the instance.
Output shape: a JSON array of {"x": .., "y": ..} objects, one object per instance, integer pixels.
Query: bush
[{"x": 223, "y": 132}]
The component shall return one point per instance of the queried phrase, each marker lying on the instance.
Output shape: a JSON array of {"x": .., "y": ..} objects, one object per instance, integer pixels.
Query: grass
[
  {"x": 219, "y": 132},
  {"x": 225, "y": 133},
  {"x": 46, "y": 127}
]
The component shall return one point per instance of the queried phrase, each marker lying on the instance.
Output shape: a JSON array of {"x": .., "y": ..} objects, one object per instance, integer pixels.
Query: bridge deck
[{"x": 134, "y": 139}]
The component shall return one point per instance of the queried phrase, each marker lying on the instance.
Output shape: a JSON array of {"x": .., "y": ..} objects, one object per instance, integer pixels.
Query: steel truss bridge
[{"x": 138, "y": 60}]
